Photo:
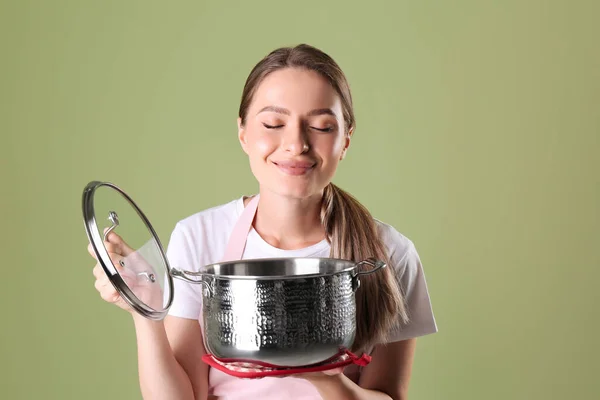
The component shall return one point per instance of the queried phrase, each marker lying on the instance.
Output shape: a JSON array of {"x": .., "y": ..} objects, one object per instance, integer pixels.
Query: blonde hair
[
  {"x": 352, "y": 233},
  {"x": 349, "y": 227}
]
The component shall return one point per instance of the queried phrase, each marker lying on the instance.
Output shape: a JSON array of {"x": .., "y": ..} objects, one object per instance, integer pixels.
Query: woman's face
[{"x": 294, "y": 133}]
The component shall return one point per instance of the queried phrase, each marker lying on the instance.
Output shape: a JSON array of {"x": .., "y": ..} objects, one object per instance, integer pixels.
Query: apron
[{"x": 228, "y": 387}]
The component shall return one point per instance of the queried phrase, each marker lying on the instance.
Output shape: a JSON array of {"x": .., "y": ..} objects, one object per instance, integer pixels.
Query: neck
[{"x": 288, "y": 223}]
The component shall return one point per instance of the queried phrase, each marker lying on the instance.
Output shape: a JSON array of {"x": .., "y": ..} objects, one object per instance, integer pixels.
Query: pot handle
[
  {"x": 376, "y": 264},
  {"x": 183, "y": 275}
]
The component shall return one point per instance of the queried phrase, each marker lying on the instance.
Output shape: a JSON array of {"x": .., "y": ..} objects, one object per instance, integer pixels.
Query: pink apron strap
[{"x": 237, "y": 241}]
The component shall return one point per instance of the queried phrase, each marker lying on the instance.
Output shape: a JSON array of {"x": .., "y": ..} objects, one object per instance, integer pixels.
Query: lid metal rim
[{"x": 102, "y": 256}]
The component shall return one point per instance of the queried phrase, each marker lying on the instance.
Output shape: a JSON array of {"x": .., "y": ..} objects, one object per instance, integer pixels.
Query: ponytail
[{"x": 352, "y": 234}]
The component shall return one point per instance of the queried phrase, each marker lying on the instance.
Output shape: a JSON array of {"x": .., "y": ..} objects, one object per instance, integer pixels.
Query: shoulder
[
  {"x": 397, "y": 245},
  {"x": 202, "y": 237},
  {"x": 215, "y": 218}
]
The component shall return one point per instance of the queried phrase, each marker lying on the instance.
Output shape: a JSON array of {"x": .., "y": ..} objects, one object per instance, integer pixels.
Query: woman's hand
[
  {"x": 135, "y": 274},
  {"x": 331, "y": 384},
  {"x": 334, "y": 385},
  {"x": 330, "y": 373}
]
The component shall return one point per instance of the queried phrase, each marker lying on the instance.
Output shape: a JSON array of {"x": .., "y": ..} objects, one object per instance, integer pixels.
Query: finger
[
  {"x": 334, "y": 371},
  {"x": 98, "y": 271},
  {"x": 109, "y": 294},
  {"x": 102, "y": 284},
  {"x": 116, "y": 249},
  {"x": 90, "y": 250},
  {"x": 128, "y": 276},
  {"x": 120, "y": 244}
]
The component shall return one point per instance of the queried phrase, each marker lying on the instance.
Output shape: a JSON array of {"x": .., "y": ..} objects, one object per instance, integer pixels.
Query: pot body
[
  {"x": 284, "y": 322},
  {"x": 287, "y": 312}
]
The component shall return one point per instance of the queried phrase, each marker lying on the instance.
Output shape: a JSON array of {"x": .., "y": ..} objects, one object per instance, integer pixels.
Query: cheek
[
  {"x": 261, "y": 146},
  {"x": 332, "y": 147}
]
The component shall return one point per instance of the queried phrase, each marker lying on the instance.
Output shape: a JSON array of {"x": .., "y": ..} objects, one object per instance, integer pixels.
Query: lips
[{"x": 294, "y": 167}]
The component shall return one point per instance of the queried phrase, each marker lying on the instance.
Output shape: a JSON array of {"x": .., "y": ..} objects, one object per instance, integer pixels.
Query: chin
[{"x": 295, "y": 191}]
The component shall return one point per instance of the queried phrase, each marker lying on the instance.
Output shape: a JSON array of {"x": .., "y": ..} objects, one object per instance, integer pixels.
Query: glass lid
[{"x": 128, "y": 249}]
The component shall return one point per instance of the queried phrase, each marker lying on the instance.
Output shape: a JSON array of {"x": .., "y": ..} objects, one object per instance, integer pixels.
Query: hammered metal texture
[{"x": 285, "y": 322}]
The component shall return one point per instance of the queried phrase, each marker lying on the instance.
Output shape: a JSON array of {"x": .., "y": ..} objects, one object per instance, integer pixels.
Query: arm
[
  {"x": 385, "y": 378},
  {"x": 169, "y": 352},
  {"x": 169, "y": 359}
]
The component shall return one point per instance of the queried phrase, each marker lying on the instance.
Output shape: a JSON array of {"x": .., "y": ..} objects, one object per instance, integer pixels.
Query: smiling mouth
[{"x": 294, "y": 168}]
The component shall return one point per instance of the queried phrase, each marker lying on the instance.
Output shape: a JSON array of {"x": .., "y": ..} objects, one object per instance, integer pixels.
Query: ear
[
  {"x": 347, "y": 143},
  {"x": 242, "y": 134}
]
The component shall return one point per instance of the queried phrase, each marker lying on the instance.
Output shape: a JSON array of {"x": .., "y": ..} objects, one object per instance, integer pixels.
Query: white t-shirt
[{"x": 201, "y": 239}]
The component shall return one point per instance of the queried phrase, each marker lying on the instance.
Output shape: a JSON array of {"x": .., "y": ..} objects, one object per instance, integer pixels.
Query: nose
[{"x": 295, "y": 139}]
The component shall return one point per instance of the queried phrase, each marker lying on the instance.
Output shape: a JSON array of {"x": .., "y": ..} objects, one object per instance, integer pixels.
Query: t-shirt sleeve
[
  {"x": 411, "y": 277},
  {"x": 187, "y": 299}
]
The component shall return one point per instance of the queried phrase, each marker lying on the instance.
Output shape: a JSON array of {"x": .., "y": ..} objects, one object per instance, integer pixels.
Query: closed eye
[
  {"x": 328, "y": 129},
  {"x": 272, "y": 126}
]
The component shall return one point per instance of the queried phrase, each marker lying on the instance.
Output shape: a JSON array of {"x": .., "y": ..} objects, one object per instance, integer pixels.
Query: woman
[{"x": 295, "y": 124}]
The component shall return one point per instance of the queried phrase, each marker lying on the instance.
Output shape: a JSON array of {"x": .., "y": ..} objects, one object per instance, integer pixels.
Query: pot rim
[
  {"x": 209, "y": 270},
  {"x": 345, "y": 266}
]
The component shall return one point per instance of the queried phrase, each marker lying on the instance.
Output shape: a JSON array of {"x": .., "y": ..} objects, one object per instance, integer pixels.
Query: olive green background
[{"x": 478, "y": 137}]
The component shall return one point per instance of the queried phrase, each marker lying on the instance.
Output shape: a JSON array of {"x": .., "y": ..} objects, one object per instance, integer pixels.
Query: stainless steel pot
[{"x": 285, "y": 312}]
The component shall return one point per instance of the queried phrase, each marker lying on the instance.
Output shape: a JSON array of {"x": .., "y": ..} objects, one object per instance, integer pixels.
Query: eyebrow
[
  {"x": 285, "y": 111},
  {"x": 321, "y": 111},
  {"x": 278, "y": 110}
]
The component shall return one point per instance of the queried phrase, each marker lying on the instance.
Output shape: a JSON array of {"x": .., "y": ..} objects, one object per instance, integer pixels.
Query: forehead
[{"x": 298, "y": 90}]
